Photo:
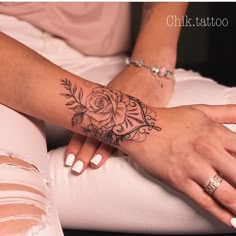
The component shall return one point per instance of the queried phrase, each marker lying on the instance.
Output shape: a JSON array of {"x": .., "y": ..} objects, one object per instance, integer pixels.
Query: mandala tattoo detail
[{"x": 112, "y": 116}]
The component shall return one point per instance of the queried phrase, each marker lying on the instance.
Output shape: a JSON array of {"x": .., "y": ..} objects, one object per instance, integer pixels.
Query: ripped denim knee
[{"x": 24, "y": 196}]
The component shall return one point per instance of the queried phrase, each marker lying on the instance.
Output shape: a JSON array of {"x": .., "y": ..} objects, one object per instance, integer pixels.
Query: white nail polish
[
  {"x": 233, "y": 222},
  {"x": 78, "y": 167},
  {"x": 96, "y": 159},
  {"x": 70, "y": 160}
]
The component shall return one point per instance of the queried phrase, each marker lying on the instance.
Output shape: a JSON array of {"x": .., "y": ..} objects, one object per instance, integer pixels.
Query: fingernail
[
  {"x": 233, "y": 222},
  {"x": 96, "y": 159},
  {"x": 78, "y": 166},
  {"x": 70, "y": 160}
]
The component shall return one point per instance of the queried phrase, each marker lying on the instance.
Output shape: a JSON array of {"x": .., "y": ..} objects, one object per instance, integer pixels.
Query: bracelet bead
[{"x": 155, "y": 70}]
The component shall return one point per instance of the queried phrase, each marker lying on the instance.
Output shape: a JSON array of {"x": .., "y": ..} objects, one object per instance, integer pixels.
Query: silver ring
[{"x": 213, "y": 184}]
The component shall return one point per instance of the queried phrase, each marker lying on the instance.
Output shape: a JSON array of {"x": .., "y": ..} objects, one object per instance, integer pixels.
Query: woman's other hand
[{"x": 191, "y": 148}]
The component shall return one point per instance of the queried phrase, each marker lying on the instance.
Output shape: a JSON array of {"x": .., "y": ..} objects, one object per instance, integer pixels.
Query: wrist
[
  {"x": 133, "y": 147},
  {"x": 158, "y": 55},
  {"x": 140, "y": 82}
]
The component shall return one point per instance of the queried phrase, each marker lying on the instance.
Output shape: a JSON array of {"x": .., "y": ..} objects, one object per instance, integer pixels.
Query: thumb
[{"x": 225, "y": 114}]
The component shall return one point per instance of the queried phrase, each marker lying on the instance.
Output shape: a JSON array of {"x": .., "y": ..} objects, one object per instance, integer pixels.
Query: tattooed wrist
[{"x": 109, "y": 115}]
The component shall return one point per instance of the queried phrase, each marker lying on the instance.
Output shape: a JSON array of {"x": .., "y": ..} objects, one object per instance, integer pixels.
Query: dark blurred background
[{"x": 208, "y": 50}]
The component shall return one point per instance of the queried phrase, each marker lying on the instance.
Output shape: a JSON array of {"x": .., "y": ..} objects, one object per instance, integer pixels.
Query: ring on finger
[{"x": 213, "y": 184}]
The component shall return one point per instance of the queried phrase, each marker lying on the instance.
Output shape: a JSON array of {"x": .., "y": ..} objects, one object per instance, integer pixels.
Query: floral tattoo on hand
[{"x": 112, "y": 116}]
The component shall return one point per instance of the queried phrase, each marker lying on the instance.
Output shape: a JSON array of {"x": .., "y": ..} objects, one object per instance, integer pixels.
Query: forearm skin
[
  {"x": 157, "y": 41},
  {"x": 157, "y": 45},
  {"x": 33, "y": 85}
]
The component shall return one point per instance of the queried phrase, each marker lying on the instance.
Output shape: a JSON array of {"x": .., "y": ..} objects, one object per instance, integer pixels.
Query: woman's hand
[
  {"x": 83, "y": 152},
  {"x": 191, "y": 148},
  {"x": 134, "y": 81}
]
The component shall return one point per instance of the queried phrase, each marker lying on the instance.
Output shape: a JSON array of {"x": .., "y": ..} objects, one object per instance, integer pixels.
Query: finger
[
  {"x": 225, "y": 193},
  {"x": 73, "y": 148},
  {"x": 208, "y": 203},
  {"x": 228, "y": 138},
  {"x": 103, "y": 152},
  {"x": 216, "y": 151},
  {"x": 226, "y": 166},
  {"x": 84, "y": 155},
  {"x": 220, "y": 113}
]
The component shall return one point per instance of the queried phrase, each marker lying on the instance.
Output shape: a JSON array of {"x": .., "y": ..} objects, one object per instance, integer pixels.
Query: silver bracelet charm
[{"x": 157, "y": 71}]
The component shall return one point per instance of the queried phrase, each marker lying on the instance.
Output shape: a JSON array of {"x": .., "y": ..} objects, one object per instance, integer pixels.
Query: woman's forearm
[
  {"x": 156, "y": 45},
  {"x": 32, "y": 85},
  {"x": 157, "y": 41}
]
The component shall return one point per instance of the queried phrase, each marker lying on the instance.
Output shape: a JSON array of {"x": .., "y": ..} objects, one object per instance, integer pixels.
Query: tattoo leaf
[
  {"x": 70, "y": 103},
  {"x": 69, "y": 82},
  {"x": 66, "y": 95},
  {"x": 74, "y": 89},
  {"x": 77, "y": 119},
  {"x": 66, "y": 83},
  {"x": 80, "y": 95},
  {"x": 79, "y": 108}
]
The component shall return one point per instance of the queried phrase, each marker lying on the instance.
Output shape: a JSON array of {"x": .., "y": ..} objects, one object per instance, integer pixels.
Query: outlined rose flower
[
  {"x": 111, "y": 116},
  {"x": 106, "y": 108}
]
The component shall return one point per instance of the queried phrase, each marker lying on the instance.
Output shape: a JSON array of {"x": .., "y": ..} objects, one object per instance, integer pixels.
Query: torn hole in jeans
[{"x": 24, "y": 197}]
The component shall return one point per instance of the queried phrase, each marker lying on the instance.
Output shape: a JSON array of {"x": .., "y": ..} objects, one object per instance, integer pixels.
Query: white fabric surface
[{"x": 119, "y": 196}]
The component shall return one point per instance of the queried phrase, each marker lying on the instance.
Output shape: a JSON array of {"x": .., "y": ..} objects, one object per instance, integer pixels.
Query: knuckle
[
  {"x": 227, "y": 197},
  {"x": 176, "y": 177},
  {"x": 178, "y": 169},
  {"x": 189, "y": 162},
  {"x": 202, "y": 145},
  {"x": 215, "y": 128},
  {"x": 207, "y": 203}
]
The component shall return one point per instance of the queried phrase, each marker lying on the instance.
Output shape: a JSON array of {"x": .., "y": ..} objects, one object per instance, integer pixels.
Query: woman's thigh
[
  {"x": 121, "y": 197},
  {"x": 26, "y": 193}
]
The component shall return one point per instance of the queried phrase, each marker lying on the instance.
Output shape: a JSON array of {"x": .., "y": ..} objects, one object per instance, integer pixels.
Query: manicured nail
[
  {"x": 233, "y": 222},
  {"x": 78, "y": 166},
  {"x": 70, "y": 160},
  {"x": 96, "y": 159}
]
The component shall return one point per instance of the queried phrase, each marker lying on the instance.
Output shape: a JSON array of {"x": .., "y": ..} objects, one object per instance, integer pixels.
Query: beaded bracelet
[{"x": 157, "y": 71}]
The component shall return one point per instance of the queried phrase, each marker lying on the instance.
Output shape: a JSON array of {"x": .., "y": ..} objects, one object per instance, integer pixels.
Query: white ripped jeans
[{"x": 38, "y": 194}]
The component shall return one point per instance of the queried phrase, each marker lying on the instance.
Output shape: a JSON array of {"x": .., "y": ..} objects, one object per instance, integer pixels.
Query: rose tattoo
[
  {"x": 112, "y": 115},
  {"x": 106, "y": 108}
]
